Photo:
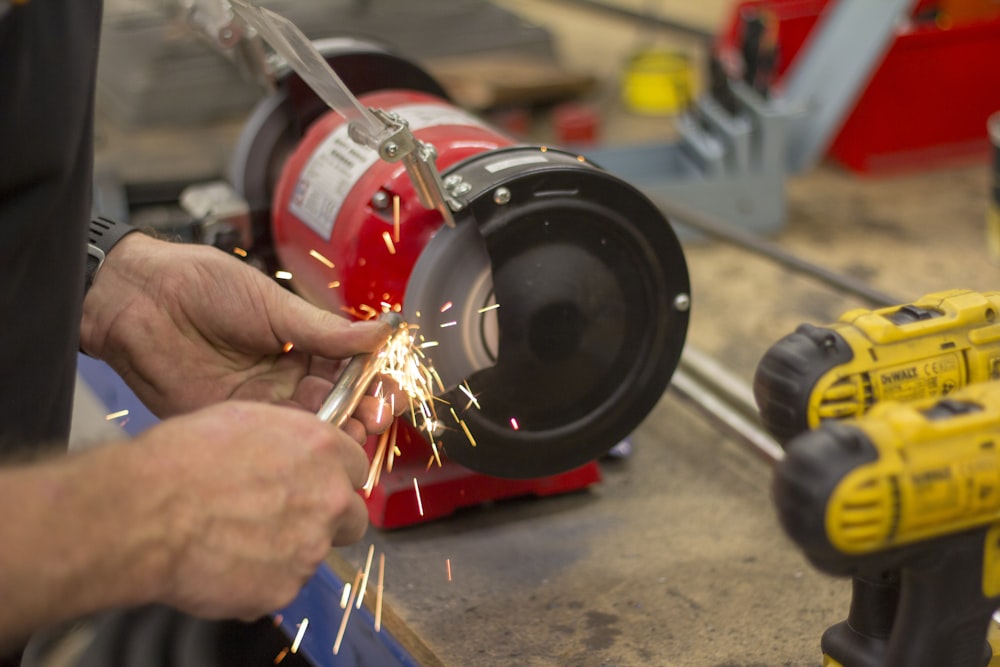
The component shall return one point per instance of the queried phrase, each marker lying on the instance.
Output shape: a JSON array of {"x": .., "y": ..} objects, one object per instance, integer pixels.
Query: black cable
[{"x": 723, "y": 231}]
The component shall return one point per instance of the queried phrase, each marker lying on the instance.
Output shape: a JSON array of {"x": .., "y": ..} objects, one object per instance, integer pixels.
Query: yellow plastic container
[{"x": 658, "y": 82}]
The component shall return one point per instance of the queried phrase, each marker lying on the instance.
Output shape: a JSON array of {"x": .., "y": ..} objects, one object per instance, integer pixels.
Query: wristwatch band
[{"x": 102, "y": 236}]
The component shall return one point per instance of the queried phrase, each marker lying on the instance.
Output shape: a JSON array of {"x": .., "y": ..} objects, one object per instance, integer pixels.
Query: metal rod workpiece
[{"x": 353, "y": 382}]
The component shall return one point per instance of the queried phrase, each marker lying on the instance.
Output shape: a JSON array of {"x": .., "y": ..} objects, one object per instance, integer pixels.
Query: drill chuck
[{"x": 788, "y": 372}]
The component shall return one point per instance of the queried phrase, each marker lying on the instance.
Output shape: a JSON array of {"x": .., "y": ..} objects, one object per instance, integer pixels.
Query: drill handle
[{"x": 943, "y": 614}]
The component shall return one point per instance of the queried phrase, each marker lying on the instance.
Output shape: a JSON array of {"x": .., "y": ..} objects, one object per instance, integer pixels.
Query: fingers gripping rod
[{"x": 356, "y": 377}]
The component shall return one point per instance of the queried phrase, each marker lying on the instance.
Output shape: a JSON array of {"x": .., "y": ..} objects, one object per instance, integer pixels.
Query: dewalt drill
[
  {"x": 927, "y": 348},
  {"x": 912, "y": 488}
]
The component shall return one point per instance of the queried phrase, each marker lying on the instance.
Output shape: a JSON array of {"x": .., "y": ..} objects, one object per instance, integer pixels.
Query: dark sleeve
[{"x": 48, "y": 59}]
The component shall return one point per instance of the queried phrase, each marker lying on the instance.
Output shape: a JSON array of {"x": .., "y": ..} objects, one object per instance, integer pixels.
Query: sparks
[
  {"x": 333, "y": 284},
  {"x": 287, "y": 347},
  {"x": 437, "y": 378},
  {"x": 282, "y": 275},
  {"x": 403, "y": 363},
  {"x": 448, "y": 324},
  {"x": 430, "y": 343},
  {"x": 300, "y": 634},
  {"x": 375, "y": 470},
  {"x": 380, "y": 397},
  {"x": 239, "y": 251},
  {"x": 281, "y": 656},
  {"x": 387, "y": 237},
  {"x": 378, "y": 592},
  {"x": 488, "y": 308},
  {"x": 393, "y": 449},
  {"x": 446, "y": 307},
  {"x": 513, "y": 423},
  {"x": 345, "y": 595},
  {"x": 437, "y": 454},
  {"x": 468, "y": 433},
  {"x": 347, "y": 615},
  {"x": 364, "y": 577},
  {"x": 395, "y": 217},
  {"x": 420, "y": 503},
  {"x": 116, "y": 415},
  {"x": 315, "y": 254},
  {"x": 464, "y": 388},
  {"x": 447, "y": 563}
]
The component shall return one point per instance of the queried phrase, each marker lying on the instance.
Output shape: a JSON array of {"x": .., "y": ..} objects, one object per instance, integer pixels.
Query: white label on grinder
[{"x": 338, "y": 163}]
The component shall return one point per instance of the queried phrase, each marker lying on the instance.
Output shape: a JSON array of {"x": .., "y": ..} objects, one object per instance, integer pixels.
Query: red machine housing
[
  {"x": 333, "y": 230},
  {"x": 356, "y": 203}
]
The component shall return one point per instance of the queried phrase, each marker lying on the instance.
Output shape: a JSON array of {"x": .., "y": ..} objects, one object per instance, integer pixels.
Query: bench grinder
[{"x": 560, "y": 295}]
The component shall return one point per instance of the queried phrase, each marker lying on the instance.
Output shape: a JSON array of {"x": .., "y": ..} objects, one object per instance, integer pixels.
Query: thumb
[{"x": 322, "y": 333}]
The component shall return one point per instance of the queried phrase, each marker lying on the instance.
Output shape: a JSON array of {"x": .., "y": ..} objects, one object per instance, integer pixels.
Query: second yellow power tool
[
  {"x": 910, "y": 488},
  {"x": 924, "y": 349}
]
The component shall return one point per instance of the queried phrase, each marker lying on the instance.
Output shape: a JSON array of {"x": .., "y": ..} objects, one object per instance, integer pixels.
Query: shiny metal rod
[
  {"x": 353, "y": 382},
  {"x": 725, "y": 398}
]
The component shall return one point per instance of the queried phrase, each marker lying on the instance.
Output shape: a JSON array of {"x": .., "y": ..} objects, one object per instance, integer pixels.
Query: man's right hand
[
  {"x": 223, "y": 513},
  {"x": 252, "y": 496}
]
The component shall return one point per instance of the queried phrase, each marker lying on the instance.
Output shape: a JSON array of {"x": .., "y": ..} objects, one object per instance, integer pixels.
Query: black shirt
[{"x": 48, "y": 60}]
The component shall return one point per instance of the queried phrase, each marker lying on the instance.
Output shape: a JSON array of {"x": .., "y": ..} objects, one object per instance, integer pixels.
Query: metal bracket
[{"x": 732, "y": 159}]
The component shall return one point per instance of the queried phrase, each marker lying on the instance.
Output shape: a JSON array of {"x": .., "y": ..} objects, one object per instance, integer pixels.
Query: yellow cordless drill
[
  {"x": 911, "y": 488},
  {"x": 927, "y": 348},
  {"x": 818, "y": 375}
]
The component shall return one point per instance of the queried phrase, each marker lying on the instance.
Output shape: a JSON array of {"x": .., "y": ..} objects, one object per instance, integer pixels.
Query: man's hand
[
  {"x": 187, "y": 326},
  {"x": 225, "y": 512},
  {"x": 253, "y": 500}
]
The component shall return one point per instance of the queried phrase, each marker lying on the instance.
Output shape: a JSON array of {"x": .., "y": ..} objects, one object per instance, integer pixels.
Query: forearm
[{"x": 80, "y": 534}]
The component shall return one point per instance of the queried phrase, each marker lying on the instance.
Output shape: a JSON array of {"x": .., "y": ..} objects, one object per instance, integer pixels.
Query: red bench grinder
[{"x": 590, "y": 280}]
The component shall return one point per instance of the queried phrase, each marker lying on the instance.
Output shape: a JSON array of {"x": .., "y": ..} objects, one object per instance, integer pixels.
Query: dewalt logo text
[{"x": 899, "y": 376}]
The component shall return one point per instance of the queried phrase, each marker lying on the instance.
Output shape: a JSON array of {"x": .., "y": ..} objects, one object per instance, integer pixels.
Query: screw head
[
  {"x": 501, "y": 196},
  {"x": 391, "y": 149},
  {"x": 682, "y": 302},
  {"x": 380, "y": 200}
]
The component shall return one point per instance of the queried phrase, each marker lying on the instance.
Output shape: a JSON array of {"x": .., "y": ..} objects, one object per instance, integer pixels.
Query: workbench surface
[{"x": 675, "y": 559}]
